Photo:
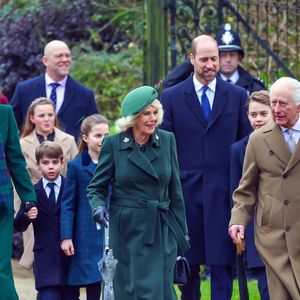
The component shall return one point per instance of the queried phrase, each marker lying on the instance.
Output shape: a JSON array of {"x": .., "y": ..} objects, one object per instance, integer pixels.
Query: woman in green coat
[
  {"x": 12, "y": 168},
  {"x": 146, "y": 209}
]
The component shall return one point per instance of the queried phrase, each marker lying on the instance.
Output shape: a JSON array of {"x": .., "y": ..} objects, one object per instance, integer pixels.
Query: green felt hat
[{"x": 137, "y": 100}]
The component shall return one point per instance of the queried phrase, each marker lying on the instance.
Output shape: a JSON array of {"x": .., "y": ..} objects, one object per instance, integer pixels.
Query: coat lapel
[
  {"x": 69, "y": 94},
  {"x": 294, "y": 159},
  {"x": 274, "y": 139},
  {"x": 40, "y": 87},
  {"x": 151, "y": 153},
  {"x": 58, "y": 202},
  {"x": 62, "y": 140},
  {"x": 154, "y": 144},
  {"x": 33, "y": 143},
  {"x": 220, "y": 100},
  {"x": 245, "y": 143},
  {"x": 193, "y": 103},
  {"x": 136, "y": 156},
  {"x": 140, "y": 160},
  {"x": 87, "y": 163},
  {"x": 43, "y": 200}
]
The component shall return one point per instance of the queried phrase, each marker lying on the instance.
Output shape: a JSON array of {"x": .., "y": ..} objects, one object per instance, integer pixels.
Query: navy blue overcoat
[
  {"x": 77, "y": 223},
  {"x": 78, "y": 101},
  {"x": 50, "y": 262},
  {"x": 204, "y": 162},
  {"x": 238, "y": 150}
]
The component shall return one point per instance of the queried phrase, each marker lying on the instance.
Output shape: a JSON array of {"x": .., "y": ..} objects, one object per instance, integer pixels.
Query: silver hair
[
  {"x": 290, "y": 83},
  {"x": 124, "y": 123}
]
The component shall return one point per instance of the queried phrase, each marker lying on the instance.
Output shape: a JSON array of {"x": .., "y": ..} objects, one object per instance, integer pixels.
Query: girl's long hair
[
  {"x": 29, "y": 126},
  {"x": 86, "y": 127}
]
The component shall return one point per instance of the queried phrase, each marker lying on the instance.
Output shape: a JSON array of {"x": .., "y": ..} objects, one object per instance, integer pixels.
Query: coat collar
[
  {"x": 70, "y": 91},
  {"x": 136, "y": 156},
  {"x": 274, "y": 138},
  {"x": 43, "y": 202},
  {"x": 60, "y": 137},
  {"x": 244, "y": 78},
  {"x": 220, "y": 100},
  {"x": 126, "y": 139},
  {"x": 192, "y": 101},
  {"x": 48, "y": 207},
  {"x": 40, "y": 85},
  {"x": 87, "y": 163},
  {"x": 32, "y": 139},
  {"x": 244, "y": 142}
]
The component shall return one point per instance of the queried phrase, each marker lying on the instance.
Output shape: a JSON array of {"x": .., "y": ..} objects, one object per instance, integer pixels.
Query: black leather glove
[
  {"x": 29, "y": 205},
  {"x": 100, "y": 215}
]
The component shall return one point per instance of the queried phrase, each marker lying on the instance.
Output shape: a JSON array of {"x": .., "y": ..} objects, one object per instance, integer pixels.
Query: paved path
[{"x": 24, "y": 282}]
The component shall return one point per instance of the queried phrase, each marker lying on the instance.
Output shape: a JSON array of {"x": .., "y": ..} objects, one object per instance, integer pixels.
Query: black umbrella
[{"x": 241, "y": 272}]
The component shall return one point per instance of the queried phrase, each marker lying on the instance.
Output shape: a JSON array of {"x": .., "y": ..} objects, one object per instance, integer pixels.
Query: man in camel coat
[{"x": 270, "y": 189}]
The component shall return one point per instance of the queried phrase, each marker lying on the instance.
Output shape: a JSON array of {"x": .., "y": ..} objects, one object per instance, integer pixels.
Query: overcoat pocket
[{"x": 264, "y": 215}]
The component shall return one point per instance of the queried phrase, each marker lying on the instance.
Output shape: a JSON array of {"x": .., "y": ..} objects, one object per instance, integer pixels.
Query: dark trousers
[
  {"x": 53, "y": 293},
  {"x": 221, "y": 283},
  {"x": 93, "y": 291},
  {"x": 260, "y": 274}
]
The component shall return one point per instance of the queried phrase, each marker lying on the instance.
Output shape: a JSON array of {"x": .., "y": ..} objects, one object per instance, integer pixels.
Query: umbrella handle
[{"x": 106, "y": 236}]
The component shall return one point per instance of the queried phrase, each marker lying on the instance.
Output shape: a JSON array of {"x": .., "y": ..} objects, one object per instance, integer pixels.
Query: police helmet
[{"x": 229, "y": 40}]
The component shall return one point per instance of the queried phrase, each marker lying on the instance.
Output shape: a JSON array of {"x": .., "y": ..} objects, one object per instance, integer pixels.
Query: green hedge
[{"x": 111, "y": 76}]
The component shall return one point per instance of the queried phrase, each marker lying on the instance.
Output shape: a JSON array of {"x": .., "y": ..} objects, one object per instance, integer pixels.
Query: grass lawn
[{"x": 205, "y": 290}]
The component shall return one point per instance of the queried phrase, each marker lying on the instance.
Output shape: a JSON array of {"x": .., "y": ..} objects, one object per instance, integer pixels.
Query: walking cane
[{"x": 241, "y": 273}]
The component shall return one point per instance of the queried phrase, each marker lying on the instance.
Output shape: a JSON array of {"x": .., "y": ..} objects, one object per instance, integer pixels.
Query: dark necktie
[
  {"x": 53, "y": 96},
  {"x": 229, "y": 80},
  {"x": 205, "y": 103},
  {"x": 51, "y": 197}
]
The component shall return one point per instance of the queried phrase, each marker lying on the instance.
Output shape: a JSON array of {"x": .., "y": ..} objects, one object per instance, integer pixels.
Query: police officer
[{"x": 231, "y": 55}]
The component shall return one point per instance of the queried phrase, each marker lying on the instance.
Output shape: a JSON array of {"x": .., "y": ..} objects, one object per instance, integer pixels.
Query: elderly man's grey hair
[
  {"x": 124, "y": 123},
  {"x": 288, "y": 82}
]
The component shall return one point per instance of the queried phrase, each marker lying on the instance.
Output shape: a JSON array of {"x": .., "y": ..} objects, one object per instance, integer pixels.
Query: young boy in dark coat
[{"x": 50, "y": 263}]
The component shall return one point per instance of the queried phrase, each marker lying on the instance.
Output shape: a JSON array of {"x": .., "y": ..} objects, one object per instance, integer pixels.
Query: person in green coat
[
  {"x": 12, "y": 169},
  {"x": 147, "y": 222}
]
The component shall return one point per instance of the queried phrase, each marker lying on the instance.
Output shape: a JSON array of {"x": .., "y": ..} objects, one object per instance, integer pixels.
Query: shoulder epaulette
[{"x": 259, "y": 80}]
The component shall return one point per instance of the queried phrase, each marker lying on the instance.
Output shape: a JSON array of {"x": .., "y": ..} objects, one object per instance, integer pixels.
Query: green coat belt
[{"x": 154, "y": 210}]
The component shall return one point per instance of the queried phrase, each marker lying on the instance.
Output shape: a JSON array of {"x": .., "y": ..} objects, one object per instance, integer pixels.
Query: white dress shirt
[
  {"x": 295, "y": 132},
  {"x": 210, "y": 93},
  {"x": 60, "y": 90}
]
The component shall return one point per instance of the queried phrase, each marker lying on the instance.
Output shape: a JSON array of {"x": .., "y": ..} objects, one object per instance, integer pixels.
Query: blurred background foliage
[
  {"x": 108, "y": 38},
  {"x": 105, "y": 38},
  {"x": 111, "y": 75}
]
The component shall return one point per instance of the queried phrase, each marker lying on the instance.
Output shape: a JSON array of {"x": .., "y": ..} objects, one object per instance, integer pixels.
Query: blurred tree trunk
[{"x": 155, "y": 54}]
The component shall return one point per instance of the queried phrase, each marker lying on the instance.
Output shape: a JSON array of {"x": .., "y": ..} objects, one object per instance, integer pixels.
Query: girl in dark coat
[{"x": 80, "y": 238}]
